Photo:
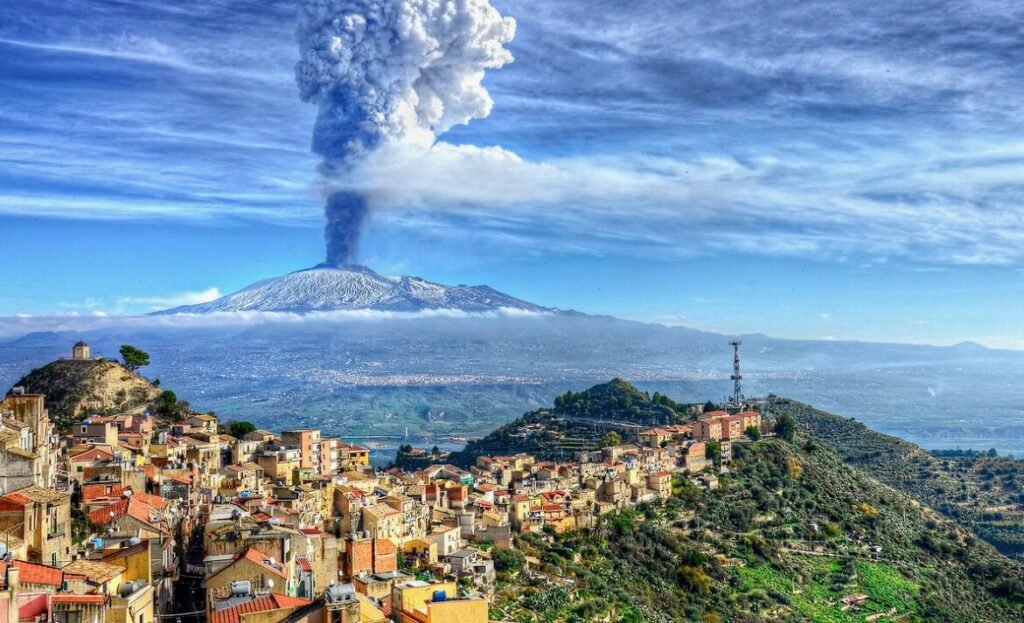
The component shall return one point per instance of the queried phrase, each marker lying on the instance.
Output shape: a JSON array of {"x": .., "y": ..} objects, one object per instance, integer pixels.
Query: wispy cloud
[{"x": 827, "y": 129}]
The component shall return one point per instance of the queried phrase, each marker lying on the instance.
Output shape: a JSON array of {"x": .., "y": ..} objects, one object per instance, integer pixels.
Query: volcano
[{"x": 327, "y": 288}]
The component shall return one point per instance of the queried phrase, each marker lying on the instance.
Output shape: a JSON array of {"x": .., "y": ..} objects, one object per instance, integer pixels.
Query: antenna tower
[{"x": 737, "y": 378}]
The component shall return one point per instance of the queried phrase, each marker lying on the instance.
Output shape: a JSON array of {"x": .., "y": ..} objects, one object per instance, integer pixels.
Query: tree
[
  {"x": 240, "y": 428},
  {"x": 166, "y": 401},
  {"x": 709, "y": 406},
  {"x": 134, "y": 358},
  {"x": 785, "y": 426},
  {"x": 713, "y": 451},
  {"x": 611, "y": 439},
  {"x": 506, "y": 559},
  {"x": 753, "y": 433}
]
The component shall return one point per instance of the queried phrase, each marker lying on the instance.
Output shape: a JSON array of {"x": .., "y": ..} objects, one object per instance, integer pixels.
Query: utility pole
[{"x": 737, "y": 378}]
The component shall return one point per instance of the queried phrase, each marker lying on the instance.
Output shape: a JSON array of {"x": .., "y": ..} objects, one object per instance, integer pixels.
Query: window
[{"x": 85, "y": 429}]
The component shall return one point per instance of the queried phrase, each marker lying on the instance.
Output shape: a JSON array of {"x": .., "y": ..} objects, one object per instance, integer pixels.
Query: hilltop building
[{"x": 80, "y": 351}]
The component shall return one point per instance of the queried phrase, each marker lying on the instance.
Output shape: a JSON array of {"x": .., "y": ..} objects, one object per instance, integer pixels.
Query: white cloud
[
  {"x": 155, "y": 303},
  {"x": 22, "y": 324}
]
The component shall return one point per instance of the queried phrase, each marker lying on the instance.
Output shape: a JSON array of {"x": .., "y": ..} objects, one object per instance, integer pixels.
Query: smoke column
[{"x": 390, "y": 71}]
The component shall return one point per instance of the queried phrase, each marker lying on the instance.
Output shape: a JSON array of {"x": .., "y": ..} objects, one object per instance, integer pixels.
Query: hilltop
[
  {"x": 579, "y": 421},
  {"x": 76, "y": 388},
  {"x": 983, "y": 492},
  {"x": 326, "y": 288},
  {"x": 791, "y": 534}
]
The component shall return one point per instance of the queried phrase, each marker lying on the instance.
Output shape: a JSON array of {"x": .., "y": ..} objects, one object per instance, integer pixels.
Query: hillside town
[{"x": 131, "y": 518}]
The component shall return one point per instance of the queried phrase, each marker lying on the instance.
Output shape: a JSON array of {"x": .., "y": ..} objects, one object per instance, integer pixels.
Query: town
[{"x": 131, "y": 518}]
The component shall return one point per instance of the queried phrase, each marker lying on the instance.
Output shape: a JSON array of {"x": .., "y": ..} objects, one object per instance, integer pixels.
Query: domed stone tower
[{"x": 80, "y": 351}]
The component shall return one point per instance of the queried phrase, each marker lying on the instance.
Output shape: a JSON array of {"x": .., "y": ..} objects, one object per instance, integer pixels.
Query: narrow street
[{"x": 189, "y": 597}]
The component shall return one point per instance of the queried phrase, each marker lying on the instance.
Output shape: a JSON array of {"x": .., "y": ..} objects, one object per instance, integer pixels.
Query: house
[
  {"x": 421, "y": 602},
  {"x": 708, "y": 430},
  {"x": 661, "y": 483},
  {"x": 42, "y": 518},
  {"x": 206, "y": 423},
  {"x": 655, "y": 437},
  {"x": 470, "y": 563},
  {"x": 136, "y": 515},
  {"x": 383, "y": 522},
  {"x": 695, "y": 458},
  {"x": 447, "y": 538},
  {"x": 96, "y": 430},
  {"x": 19, "y": 467},
  {"x": 250, "y": 568}
]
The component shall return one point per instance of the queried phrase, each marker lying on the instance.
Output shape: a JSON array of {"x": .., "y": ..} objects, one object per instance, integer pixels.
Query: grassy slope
[
  {"x": 984, "y": 493},
  {"x": 728, "y": 555}
]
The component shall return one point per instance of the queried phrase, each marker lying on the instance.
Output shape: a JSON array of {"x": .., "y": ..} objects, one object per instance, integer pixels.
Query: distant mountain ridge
[{"x": 325, "y": 288}]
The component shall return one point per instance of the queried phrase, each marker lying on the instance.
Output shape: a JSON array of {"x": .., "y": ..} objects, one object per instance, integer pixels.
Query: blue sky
[{"x": 826, "y": 169}]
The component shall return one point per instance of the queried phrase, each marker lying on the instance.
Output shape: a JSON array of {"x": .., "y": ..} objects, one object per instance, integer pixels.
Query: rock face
[
  {"x": 325, "y": 288},
  {"x": 76, "y": 388}
]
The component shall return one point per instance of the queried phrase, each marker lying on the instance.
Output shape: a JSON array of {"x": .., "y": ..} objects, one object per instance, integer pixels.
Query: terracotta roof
[
  {"x": 92, "y": 455},
  {"x": 97, "y": 572},
  {"x": 304, "y": 564},
  {"x": 155, "y": 501},
  {"x": 252, "y": 555},
  {"x": 78, "y": 599},
  {"x": 133, "y": 506},
  {"x": 264, "y": 603},
  {"x": 91, "y": 492},
  {"x": 31, "y": 573}
]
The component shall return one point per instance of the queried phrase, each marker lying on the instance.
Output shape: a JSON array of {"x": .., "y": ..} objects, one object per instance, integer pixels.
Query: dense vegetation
[
  {"x": 979, "y": 490},
  {"x": 790, "y": 535},
  {"x": 580, "y": 421}
]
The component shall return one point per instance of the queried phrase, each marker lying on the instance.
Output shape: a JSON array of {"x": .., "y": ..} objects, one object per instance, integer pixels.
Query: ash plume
[{"x": 390, "y": 71}]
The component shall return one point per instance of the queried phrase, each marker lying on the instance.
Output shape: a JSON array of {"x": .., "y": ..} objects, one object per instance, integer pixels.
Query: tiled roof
[
  {"x": 91, "y": 492},
  {"x": 92, "y": 455},
  {"x": 264, "y": 603},
  {"x": 78, "y": 599},
  {"x": 155, "y": 501},
  {"x": 254, "y": 556},
  {"x": 304, "y": 564},
  {"x": 133, "y": 506},
  {"x": 31, "y": 573},
  {"x": 39, "y": 494},
  {"x": 97, "y": 572}
]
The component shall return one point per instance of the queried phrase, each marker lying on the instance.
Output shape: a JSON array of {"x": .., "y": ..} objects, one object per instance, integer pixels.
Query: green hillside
[
  {"x": 791, "y": 533},
  {"x": 579, "y": 421},
  {"x": 984, "y": 493}
]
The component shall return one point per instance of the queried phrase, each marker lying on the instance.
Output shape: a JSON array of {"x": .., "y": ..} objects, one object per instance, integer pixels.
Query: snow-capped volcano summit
[{"x": 326, "y": 288}]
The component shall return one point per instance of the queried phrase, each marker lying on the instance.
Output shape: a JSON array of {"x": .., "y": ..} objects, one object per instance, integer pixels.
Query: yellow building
[{"x": 421, "y": 602}]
